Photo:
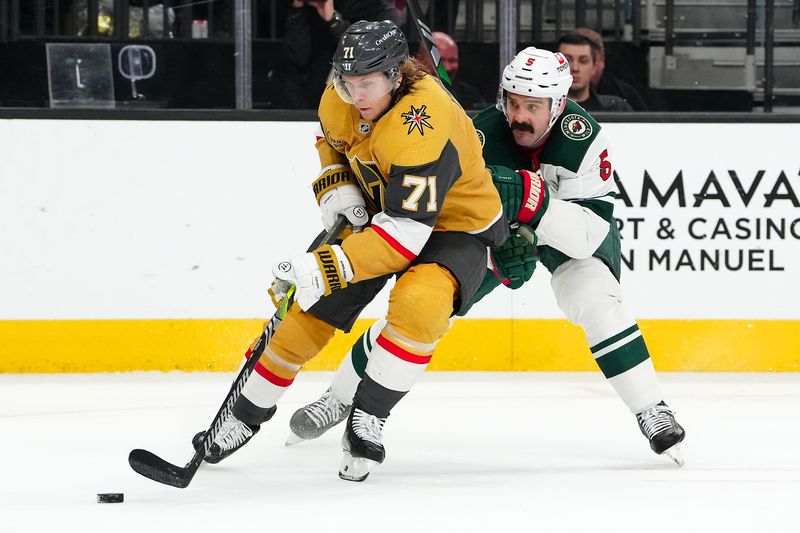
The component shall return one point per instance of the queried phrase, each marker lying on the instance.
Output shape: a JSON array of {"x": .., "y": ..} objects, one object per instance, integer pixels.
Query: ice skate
[
  {"x": 232, "y": 435},
  {"x": 313, "y": 420},
  {"x": 664, "y": 433},
  {"x": 363, "y": 445}
]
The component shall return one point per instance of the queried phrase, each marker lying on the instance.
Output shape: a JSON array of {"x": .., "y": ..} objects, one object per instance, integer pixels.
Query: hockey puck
[{"x": 110, "y": 497}]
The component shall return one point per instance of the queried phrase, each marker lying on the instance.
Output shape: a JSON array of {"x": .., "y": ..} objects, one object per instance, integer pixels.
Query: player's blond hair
[{"x": 412, "y": 71}]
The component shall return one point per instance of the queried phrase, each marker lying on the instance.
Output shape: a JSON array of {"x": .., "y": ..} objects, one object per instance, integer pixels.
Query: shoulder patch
[
  {"x": 481, "y": 137},
  {"x": 576, "y": 127},
  {"x": 417, "y": 119}
]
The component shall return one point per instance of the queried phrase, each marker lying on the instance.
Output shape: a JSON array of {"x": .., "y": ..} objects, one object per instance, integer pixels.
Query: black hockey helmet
[{"x": 367, "y": 47}]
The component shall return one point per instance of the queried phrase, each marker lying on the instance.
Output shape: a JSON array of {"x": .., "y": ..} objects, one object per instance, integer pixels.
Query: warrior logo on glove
[
  {"x": 284, "y": 266},
  {"x": 327, "y": 262},
  {"x": 536, "y": 198}
]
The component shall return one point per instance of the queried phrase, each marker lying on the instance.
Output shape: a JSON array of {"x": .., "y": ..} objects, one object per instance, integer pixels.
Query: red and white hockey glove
[{"x": 535, "y": 198}]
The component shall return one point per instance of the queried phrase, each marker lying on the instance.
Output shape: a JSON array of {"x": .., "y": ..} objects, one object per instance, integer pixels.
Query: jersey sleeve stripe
[
  {"x": 411, "y": 235},
  {"x": 402, "y": 250}
]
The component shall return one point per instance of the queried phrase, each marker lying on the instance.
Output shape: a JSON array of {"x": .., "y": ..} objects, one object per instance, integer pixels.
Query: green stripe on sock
[
  {"x": 616, "y": 338},
  {"x": 623, "y": 358},
  {"x": 359, "y": 355}
]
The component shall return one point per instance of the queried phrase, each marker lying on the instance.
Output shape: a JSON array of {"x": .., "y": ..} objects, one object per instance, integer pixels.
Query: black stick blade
[{"x": 154, "y": 467}]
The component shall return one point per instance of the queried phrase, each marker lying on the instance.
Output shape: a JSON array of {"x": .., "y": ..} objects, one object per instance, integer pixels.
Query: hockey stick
[
  {"x": 154, "y": 467},
  {"x": 426, "y": 40}
]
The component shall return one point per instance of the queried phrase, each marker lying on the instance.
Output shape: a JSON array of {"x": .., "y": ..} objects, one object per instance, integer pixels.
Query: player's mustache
[{"x": 522, "y": 126}]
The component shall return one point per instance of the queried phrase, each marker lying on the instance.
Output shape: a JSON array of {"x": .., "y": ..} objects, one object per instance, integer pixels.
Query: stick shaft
[
  {"x": 155, "y": 468},
  {"x": 426, "y": 41}
]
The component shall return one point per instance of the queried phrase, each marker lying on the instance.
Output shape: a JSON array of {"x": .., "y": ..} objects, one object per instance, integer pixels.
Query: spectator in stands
[
  {"x": 582, "y": 55},
  {"x": 606, "y": 83},
  {"x": 468, "y": 96},
  {"x": 313, "y": 29}
]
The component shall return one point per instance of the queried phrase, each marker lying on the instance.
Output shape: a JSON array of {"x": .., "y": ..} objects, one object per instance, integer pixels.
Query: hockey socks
[{"x": 625, "y": 362}]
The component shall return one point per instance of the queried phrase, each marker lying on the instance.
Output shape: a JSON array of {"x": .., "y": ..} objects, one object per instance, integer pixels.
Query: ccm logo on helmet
[{"x": 386, "y": 36}]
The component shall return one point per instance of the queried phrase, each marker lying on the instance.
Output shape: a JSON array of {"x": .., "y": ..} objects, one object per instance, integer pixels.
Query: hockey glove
[
  {"x": 515, "y": 260},
  {"x": 315, "y": 274},
  {"x": 337, "y": 194},
  {"x": 523, "y": 193},
  {"x": 346, "y": 200}
]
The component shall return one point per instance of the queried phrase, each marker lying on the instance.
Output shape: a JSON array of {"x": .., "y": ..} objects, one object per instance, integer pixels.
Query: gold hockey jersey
[{"x": 420, "y": 169}]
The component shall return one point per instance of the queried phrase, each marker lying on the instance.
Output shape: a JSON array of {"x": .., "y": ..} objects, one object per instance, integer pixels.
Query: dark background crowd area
[{"x": 291, "y": 52}]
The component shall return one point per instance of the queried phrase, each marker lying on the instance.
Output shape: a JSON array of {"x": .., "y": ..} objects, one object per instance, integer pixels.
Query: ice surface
[{"x": 546, "y": 452}]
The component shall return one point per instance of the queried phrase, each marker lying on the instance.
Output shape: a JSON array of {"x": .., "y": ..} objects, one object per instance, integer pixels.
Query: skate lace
[
  {"x": 232, "y": 433},
  {"x": 325, "y": 410},
  {"x": 655, "y": 420},
  {"x": 368, "y": 427}
]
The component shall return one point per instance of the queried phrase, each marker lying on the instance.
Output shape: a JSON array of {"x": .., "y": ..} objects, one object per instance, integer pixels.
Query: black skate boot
[
  {"x": 316, "y": 418},
  {"x": 363, "y": 445},
  {"x": 664, "y": 433},
  {"x": 232, "y": 435}
]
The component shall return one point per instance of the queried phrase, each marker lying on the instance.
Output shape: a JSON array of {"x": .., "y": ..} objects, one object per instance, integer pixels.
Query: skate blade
[
  {"x": 293, "y": 439},
  {"x": 354, "y": 468},
  {"x": 675, "y": 454}
]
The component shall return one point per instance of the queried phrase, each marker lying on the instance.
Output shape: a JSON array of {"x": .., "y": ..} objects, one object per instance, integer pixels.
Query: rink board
[
  {"x": 148, "y": 245},
  {"x": 472, "y": 344}
]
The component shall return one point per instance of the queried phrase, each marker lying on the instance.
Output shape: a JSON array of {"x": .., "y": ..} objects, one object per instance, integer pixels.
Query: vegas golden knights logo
[{"x": 372, "y": 183}]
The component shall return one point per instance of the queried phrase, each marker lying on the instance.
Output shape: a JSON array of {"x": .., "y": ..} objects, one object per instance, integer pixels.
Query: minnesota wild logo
[
  {"x": 576, "y": 127},
  {"x": 417, "y": 119}
]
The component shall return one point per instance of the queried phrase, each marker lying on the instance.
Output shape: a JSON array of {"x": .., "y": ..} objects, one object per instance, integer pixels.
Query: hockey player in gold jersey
[
  {"x": 402, "y": 161},
  {"x": 564, "y": 194}
]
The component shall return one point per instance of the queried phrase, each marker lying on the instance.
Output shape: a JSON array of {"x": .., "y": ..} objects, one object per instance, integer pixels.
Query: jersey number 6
[{"x": 605, "y": 166}]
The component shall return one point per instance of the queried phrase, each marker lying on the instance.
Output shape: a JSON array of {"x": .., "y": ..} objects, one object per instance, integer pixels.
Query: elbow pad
[{"x": 572, "y": 229}]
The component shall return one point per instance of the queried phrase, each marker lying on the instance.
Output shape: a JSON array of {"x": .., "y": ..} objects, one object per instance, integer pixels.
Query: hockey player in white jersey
[{"x": 553, "y": 168}]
